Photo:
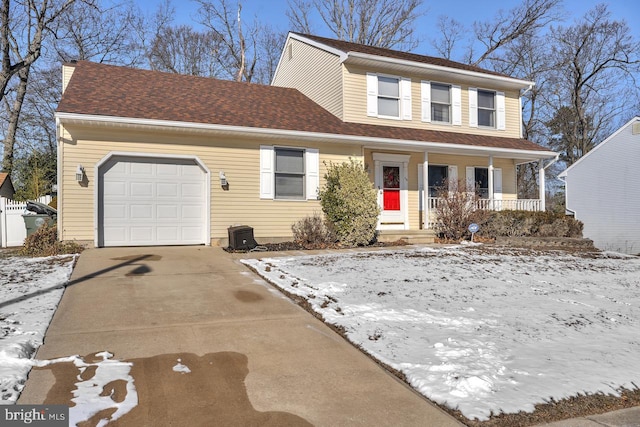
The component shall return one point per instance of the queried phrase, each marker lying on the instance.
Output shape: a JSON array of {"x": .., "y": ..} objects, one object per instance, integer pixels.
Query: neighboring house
[
  {"x": 608, "y": 204},
  {"x": 6, "y": 186},
  {"x": 151, "y": 158}
]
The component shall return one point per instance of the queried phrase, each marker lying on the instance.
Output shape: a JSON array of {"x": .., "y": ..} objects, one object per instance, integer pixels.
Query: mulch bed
[{"x": 300, "y": 246}]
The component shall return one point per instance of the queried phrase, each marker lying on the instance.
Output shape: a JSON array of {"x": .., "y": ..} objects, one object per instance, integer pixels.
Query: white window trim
[
  {"x": 455, "y": 103},
  {"x": 404, "y": 96},
  {"x": 268, "y": 173},
  {"x": 500, "y": 109}
]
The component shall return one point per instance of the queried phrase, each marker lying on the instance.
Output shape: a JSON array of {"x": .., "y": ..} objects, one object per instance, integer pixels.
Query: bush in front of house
[
  {"x": 530, "y": 224},
  {"x": 455, "y": 210},
  {"x": 313, "y": 231},
  {"x": 44, "y": 242},
  {"x": 350, "y": 203}
]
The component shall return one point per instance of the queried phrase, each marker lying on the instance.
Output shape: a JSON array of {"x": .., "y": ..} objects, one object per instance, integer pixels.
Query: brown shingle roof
[
  {"x": 396, "y": 54},
  {"x": 106, "y": 90}
]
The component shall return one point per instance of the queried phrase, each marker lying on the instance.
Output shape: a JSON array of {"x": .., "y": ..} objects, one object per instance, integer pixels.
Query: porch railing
[{"x": 487, "y": 204}]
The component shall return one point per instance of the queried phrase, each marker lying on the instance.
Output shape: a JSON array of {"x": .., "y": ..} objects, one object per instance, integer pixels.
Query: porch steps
[{"x": 409, "y": 236}]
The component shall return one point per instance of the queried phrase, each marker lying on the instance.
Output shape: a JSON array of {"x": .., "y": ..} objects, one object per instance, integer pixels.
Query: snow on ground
[
  {"x": 481, "y": 329},
  {"x": 30, "y": 289}
]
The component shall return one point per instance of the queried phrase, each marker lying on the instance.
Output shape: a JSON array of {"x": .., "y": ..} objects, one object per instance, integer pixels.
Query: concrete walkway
[{"x": 255, "y": 357}]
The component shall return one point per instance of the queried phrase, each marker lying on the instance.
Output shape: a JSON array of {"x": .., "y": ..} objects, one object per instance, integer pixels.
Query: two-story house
[{"x": 151, "y": 158}]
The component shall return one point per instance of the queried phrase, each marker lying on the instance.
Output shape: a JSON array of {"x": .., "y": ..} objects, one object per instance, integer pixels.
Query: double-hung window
[
  {"x": 440, "y": 103},
  {"x": 289, "y": 173},
  {"x": 388, "y": 96},
  {"x": 486, "y": 108}
]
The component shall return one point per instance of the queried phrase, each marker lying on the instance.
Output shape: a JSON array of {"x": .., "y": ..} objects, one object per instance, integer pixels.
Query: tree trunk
[{"x": 14, "y": 117}]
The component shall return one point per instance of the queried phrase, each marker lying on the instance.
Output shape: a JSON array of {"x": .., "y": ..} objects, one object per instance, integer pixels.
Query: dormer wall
[
  {"x": 416, "y": 98},
  {"x": 314, "y": 72}
]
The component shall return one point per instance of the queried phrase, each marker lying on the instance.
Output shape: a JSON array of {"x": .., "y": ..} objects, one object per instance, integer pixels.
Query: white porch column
[
  {"x": 490, "y": 182},
  {"x": 541, "y": 185},
  {"x": 425, "y": 191}
]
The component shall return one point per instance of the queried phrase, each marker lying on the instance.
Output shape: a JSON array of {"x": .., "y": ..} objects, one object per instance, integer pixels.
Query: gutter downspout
[
  {"x": 520, "y": 102},
  {"x": 59, "y": 179},
  {"x": 542, "y": 190}
]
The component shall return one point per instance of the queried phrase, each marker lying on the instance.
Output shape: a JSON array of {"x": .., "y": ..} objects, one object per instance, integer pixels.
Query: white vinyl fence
[{"x": 12, "y": 228}]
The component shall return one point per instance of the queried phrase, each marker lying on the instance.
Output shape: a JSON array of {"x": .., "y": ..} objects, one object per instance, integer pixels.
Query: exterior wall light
[
  {"x": 223, "y": 179},
  {"x": 79, "y": 173}
]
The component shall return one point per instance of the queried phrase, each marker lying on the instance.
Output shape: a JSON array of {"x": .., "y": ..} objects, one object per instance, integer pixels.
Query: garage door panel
[
  {"x": 115, "y": 189},
  {"x": 167, "y": 190},
  {"x": 115, "y": 211},
  {"x": 152, "y": 202},
  {"x": 142, "y": 189},
  {"x": 116, "y": 234},
  {"x": 167, "y": 212},
  {"x": 141, "y": 212},
  {"x": 192, "y": 190},
  {"x": 167, "y": 170},
  {"x": 191, "y": 212},
  {"x": 141, "y": 169}
]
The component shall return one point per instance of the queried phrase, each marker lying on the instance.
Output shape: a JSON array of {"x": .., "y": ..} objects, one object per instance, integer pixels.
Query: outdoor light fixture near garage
[
  {"x": 79, "y": 173},
  {"x": 223, "y": 179}
]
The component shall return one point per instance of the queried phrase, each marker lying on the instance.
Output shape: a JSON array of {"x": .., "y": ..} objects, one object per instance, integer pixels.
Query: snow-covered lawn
[
  {"x": 481, "y": 329},
  {"x": 30, "y": 290}
]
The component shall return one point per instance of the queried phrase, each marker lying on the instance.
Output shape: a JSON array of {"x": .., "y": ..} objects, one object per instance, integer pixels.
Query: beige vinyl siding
[
  {"x": 355, "y": 105},
  {"x": 238, "y": 158},
  {"x": 67, "y": 72},
  {"x": 314, "y": 72}
]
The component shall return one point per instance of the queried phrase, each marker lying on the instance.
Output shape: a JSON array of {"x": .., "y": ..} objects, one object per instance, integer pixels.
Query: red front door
[{"x": 391, "y": 188}]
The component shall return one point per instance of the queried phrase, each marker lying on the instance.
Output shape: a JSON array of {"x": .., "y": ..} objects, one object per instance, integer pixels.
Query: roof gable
[
  {"x": 595, "y": 149},
  {"x": 346, "y": 47}
]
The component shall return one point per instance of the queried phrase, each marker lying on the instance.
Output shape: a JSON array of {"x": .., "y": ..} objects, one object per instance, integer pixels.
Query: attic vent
[
  {"x": 290, "y": 51},
  {"x": 636, "y": 128}
]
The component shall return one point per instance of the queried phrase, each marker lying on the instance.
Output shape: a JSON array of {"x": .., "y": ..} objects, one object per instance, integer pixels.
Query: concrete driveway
[{"x": 255, "y": 358}]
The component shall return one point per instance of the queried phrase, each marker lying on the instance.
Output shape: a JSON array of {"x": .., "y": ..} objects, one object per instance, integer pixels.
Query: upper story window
[
  {"x": 440, "y": 103},
  {"x": 486, "y": 108},
  {"x": 388, "y": 96}
]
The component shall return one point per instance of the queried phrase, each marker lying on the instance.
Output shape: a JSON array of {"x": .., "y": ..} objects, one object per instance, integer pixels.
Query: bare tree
[
  {"x": 99, "y": 33},
  {"x": 596, "y": 62},
  {"x": 508, "y": 26},
  {"x": 243, "y": 45},
  {"x": 383, "y": 23},
  {"x": 183, "y": 50},
  {"x": 452, "y": 32},
  {"x": 23, "y": 28}
]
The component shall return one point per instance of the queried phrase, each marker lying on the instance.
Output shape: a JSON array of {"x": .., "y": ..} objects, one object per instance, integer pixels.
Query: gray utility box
[{"x": 241, "y": 238}]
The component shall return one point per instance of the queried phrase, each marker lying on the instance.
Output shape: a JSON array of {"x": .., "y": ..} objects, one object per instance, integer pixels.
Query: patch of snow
[
  {"x": 481, "y": 329},
  {"x": 179, "y": 367},
  {"x": 30, "y": 290}
]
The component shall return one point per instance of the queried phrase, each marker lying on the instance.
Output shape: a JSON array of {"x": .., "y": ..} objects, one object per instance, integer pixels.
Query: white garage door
[{"x": 145, "y": 202}]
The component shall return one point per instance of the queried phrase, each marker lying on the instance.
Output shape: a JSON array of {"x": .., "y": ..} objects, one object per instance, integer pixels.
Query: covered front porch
[{"x": 410, "y": 183}]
